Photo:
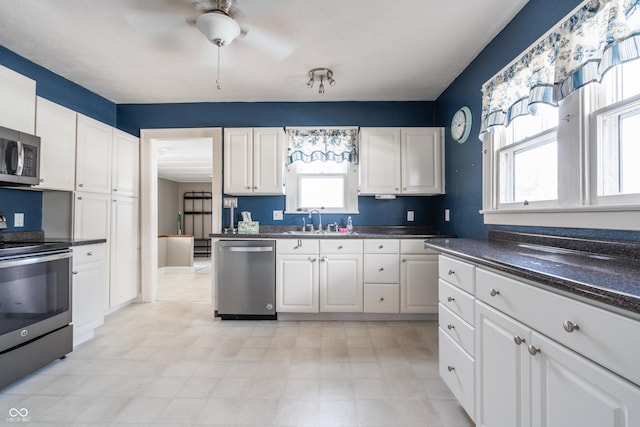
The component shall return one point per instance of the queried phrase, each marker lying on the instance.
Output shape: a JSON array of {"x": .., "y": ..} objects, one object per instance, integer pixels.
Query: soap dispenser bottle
[{"x": 349, "y": 225}]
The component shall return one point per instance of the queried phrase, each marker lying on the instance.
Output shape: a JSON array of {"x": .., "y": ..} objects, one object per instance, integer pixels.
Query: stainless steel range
[{"x": 35, "y": 307}]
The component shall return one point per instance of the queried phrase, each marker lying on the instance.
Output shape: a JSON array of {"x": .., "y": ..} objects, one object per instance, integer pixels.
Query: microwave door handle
[{"x": 20, "y": 166}]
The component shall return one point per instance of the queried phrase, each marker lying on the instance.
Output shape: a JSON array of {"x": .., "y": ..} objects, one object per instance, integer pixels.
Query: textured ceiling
[{"x": 134, "y": 51}]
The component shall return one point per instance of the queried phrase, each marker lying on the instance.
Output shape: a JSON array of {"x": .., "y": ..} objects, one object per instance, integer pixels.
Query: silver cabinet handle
[
  {"x": 381, "y": 299},
  {"x": 451, "y": 272},
  {"x": 340, "y": 247},
  {"x": 381, "y": 269},
  {"x": 450, "y": 326},
  {"x": 494, "y": 292},
  {"x": 75, "y": 272},
  {"x": 533, "y": 350},
  {"x": 115, "y": 189},
  {"x": 451, "y": 299},
  {"x": 89, "y": 253},
  {"x": 569, "y": 326},
  {"x": 312, "y": 259},
  {"x": 80, "y": 185},
  {"x": 518, "y": 340},
  {"x": 380, "y": 247},
  {"x": 255, "y": 188},
  {"x": 404, "y": 260},
  {"x": 41, "y": 179},
  {"x": 324, "y": 258},
  {"x": 451, "y": 368}
]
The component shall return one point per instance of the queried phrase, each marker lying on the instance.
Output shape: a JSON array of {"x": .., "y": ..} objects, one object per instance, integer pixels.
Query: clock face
[{"x": 461, "y": 124}]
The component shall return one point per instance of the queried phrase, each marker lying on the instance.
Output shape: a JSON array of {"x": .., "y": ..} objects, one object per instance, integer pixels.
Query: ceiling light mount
[{"x": 322, "y": 74}]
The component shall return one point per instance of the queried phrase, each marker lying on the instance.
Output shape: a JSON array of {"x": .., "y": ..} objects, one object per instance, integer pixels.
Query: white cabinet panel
[
  {"x": 93, "y": 156},
  {"x": 124, "y": 251},
  {"x": 92, "y": 214},
  {"x": 297, "y": 283},
  {"x": 456, "y": 368},
  {"x": 238, "y": 161},
  {"x": 18, "y": 106},
  {"x": 56, "y": 127},
  {"x": 422, "y": 160},
  {"x": 90, "y": 278},
  {"x": 381, "y": 298},
  {"x": 126, "y": 165},
  {"x": 418, "y": 284},
  {"x": 381, "y": 268},
  {"x": 341, "y": 282},
  {"x": 380, "y": 161}
]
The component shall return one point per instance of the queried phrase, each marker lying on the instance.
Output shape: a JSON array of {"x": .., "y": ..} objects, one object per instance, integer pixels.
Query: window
[{"x": 327, "y": 186}]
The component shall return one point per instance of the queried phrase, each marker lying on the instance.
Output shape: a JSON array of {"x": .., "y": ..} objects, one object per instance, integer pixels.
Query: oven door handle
[
  {"x": 34, "y": 259},
  {"x": 20, "y": 166}
]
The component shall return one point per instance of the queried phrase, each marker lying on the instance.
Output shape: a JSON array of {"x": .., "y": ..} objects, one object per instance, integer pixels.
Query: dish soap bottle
[{"x": 349, "y": 225}]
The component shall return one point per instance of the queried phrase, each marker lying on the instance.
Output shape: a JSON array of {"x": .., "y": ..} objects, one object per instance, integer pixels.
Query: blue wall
[
  {"x": 24, "y": 201},
  {"x": 133, "y": 117},
  {"x": 463, "y": 161}
]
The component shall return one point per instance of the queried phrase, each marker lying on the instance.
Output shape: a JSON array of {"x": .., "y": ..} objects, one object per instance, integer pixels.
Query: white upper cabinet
[
  {"x": 18, "y": 106},
  {"x": 422, "y": 160},
  {"x": 380, "y": 161},
  {"x": 254, "y": 160},
  {"x": 125, "y": 171},
  {"x": 56, "y": 127},
  {"x": 93, "y": 155},
  {"x": 401, "y": 161}
]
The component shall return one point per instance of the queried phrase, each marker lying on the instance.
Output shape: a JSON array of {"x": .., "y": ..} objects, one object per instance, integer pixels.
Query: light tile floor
[{"x": 171, "y": 363}]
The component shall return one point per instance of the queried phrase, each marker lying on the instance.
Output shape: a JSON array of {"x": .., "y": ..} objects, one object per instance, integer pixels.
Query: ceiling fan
[{"x": 222, "y": 22}]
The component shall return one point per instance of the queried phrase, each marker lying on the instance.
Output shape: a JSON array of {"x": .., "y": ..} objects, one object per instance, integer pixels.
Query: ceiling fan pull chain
[{"x": 218, "y": 79}]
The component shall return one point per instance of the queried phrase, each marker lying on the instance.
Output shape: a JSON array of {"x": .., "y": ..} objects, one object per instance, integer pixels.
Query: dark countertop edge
[
  {"x": 76, "y": 242},
  {"x": 624, "y": 304}
]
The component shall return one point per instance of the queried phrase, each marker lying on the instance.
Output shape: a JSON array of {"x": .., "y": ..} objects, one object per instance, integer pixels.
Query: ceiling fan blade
[{"x": 268, "y": 42}]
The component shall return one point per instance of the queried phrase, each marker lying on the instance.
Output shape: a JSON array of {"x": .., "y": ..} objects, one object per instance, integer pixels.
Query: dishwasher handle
[{"x": 248, "y": 248}]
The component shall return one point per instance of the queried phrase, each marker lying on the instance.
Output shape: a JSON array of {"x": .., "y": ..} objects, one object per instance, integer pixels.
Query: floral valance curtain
[
  {"x": 598, "y": 35},
  {"x": 324, "y": 144}
]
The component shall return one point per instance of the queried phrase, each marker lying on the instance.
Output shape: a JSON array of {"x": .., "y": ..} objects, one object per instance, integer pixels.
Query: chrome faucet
[{"x": 319, "y": 218}]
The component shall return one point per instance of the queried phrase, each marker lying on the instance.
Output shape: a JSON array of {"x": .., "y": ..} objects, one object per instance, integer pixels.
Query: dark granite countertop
[
  {"x": 603, "y": 273},
  {"x": 360, "y": 232}
]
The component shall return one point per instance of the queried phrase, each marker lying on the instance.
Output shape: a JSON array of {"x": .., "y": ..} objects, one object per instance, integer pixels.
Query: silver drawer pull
[
  {"x": 381, "y": 269},
  {"x": 494, "y": 292},
  {"x": 75, "y": 272},
  {"x": 380, "y": 247},
  {"x": 89, "y": 253},
  {"x": 450, "y": 326},
  {"x": 451, "y": 272},
  {"x": 381, "y": 299},
  {"x": 569, "y": 326},
  {"x": 451, "y": 299},
  {"x": 451, "y": 368},
  {"x": 312, "y": 259},
  {"x": 340, "y": 247},
  {"x": 533, "y": 350},
  {"x": 518, "y": 340}
]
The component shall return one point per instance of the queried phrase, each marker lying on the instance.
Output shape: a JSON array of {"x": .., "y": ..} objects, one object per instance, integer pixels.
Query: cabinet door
[
  {"x": 341, "y": 283},
  {"x": 93, "y": 156},
  {"x": 56, "y": 127},
  {"x": 419, "y": 284},
  {"x": 297, "y": 283},
  {"x": 268, "y": 160},
  {"x": 380, "y": 161},
  {"x": 422, "y": 160},
  {"x": 238, "y": 161},
  {"x": 89, "y": 282},
  {"x": 18, "y": 106},
  {"x": 125, "y": 164},
  {"x": 502, "y": 370},
  {"x": 569, "y": 390},
  {"x": 123, "y": 282},
  {"x": 91, "y": 216}
]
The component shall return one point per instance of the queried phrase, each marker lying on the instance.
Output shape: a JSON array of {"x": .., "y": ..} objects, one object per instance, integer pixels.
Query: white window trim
[{"x": 574, "y": 210}]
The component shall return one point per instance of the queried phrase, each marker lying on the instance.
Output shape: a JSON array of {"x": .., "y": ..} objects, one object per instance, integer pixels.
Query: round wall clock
[{"x": 461, "y": 124}]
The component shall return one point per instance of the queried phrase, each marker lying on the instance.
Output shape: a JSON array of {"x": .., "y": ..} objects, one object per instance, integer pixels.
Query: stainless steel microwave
[{"x": 19, "y": 157}]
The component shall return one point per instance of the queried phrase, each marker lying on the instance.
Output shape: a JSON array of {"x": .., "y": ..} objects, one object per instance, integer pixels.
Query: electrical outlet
[
  {"x": 277, "y": 215},
  {"x": 230, "y": 202},
  {"x": 410, "y": 216},
  {"x": 446, "y": 215},
  {"x": 18, "y": 220}
]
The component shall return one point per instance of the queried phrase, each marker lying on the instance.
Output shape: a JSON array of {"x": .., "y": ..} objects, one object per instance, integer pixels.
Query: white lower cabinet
[
  {"x": 341, "y": 282},
  {"x": 418, "y": 278},
  {"x": 124, "y": 251},
  {"x": 526, "y": 379},
  {"x": 89, "y": 281},
  {"x": 297, "y": 278}
]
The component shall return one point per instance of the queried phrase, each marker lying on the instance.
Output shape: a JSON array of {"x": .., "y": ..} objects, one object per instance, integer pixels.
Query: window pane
[
  {"x": 630, "y": 82},
  {"x": 321, "y": 191},
  {"x": 630, "y": 153},
  {"x": 535, "y": 173}
]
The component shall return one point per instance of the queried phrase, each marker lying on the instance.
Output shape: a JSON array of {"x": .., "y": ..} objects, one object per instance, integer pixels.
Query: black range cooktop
[{"x": 12, "y": 248}]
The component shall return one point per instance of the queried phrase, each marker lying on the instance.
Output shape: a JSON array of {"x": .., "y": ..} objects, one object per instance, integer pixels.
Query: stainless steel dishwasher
[{"x": 246, "y": 279}]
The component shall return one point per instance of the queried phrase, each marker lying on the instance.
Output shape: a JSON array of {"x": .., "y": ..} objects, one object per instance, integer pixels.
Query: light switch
[
  {"x": 18, "y": 220},
  {"x": 446, "y": 215},
  {"x": 409, "y": 216}
]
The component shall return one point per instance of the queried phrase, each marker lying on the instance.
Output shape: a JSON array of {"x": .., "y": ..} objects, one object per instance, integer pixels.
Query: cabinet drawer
[
  {"x": 457, "y": 273},
  {"x": 88, "y": 253},
  {"x": 337, "y": 246},
  {"x": 602, "y": 336},
  {"x": 415, "y": 246},
  {"x": 381, "y": 246},
  {"x": 459, "y": 330},
  {"x": 456, "y": 300},
  {"x": 297, "y": 246},
  {"x": 381, "y": 268},
  {"x": 381, "y": 298},
  {"x": 457, "y": 369}
]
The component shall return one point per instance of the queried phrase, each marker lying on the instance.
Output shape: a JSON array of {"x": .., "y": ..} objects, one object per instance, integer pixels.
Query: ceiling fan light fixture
[
  {"x": 322, "y": 74},
  {"x": 218, "y": 27}
]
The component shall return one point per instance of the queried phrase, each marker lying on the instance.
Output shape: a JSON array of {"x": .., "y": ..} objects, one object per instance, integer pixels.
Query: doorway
[{"x": 151, "y": 140}]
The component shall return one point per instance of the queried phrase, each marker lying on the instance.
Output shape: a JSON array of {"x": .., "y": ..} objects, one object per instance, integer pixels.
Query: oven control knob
[{"x": 24, "y": 333}]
